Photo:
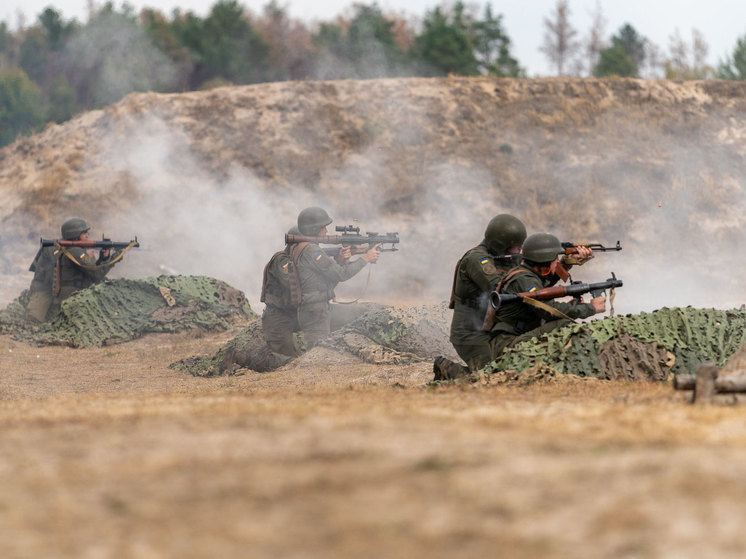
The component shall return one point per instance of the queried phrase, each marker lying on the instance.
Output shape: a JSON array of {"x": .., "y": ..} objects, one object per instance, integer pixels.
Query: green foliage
[
  {"x": 224, "y": 45},
  {"x": 365, "y": 49},
  {"x": 62, "y": 105},
  {"x": 21, "y": 105},
  {"x": 446, "y": 44},
  {"x": 112, "y": 56},
  {"x": 5, "y": 37},
  {"x": 54, "y": 29},
  {"x": 492, "y": 47},
  {"x": 625, "y": 55},
  {"x": 80, "y": 66},
  {"x": 614, "y": 61},
  {"x": 734, "y": 67}
]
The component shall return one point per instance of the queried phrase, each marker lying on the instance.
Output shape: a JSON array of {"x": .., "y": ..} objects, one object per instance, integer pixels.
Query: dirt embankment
[{"x": 211, "y": 180}]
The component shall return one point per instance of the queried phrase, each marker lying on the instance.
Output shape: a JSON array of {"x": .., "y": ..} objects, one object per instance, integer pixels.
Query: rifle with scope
[{"x": 350, "y": 237}]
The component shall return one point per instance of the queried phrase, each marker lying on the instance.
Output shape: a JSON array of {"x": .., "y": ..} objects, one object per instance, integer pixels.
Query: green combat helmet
[
  {"x": 542, "y": 248},
  {"x": 312, "y": 219},
  {"x": 74, "y": 228},
  {"x": 504, "y": 231}
]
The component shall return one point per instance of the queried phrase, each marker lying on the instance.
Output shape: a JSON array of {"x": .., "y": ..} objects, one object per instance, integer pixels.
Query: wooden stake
[{"x": 707, "y": 374}]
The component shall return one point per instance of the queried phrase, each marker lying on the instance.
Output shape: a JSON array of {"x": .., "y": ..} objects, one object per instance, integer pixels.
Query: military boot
[{"x": 445, "y": 369}]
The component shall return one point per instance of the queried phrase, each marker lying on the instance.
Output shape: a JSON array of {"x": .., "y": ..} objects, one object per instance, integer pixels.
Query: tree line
[{"x": 55, "y": 68}]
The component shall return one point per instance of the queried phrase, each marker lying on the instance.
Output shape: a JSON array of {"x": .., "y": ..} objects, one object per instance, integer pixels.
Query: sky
[{"x": 721, "y": 22}]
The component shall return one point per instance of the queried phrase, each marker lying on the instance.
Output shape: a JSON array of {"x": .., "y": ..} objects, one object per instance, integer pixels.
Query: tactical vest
[
  {"x": 280, "y": 281},
  {"x": 452, "y": 301}
]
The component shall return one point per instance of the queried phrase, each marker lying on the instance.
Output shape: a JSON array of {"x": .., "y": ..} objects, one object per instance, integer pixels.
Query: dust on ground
[{"x": 112, "y": 453}]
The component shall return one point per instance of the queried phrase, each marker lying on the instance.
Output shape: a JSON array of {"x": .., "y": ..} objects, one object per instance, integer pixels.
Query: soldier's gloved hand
[{"x": 599, "y": 303}]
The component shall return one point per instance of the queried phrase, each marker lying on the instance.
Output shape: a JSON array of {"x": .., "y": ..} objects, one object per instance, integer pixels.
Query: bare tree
[
  {"x": 688, "y": 62},
  {"x": 594, "y": 42},
  {"x": 560, "y": 44},
  {"x": 700, "y": 49}
]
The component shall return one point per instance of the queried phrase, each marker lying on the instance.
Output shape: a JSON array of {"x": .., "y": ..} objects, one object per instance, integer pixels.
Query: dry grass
[{"x": 113, "y": 454}]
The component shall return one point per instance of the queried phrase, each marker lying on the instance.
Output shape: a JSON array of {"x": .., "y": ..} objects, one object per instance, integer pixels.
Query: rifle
[
  {"x": 575, "y": 289},
  {"x": 104, "y": 243},
  {"x": 595, "y": 247},
  {"x": 350, "y": 237}
]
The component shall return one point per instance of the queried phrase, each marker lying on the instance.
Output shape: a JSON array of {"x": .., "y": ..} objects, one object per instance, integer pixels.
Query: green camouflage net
[
  {"x": 374, "y": 333},
  {"x": 642, "y": 346},
  {"x": 210, "y": 366},
  {"x": 120, "y": 310},
  {"x": 393, "y": 335}
]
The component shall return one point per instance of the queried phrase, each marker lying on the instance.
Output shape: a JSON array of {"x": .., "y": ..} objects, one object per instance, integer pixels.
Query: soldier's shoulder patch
[
  {"x": 318, "y": 257},
  {"x": 532, "y": 288},
  {"x": 85, "y": 259},
  {"x": 487, "y": 266},
  {"x": 285, "y": 267}
]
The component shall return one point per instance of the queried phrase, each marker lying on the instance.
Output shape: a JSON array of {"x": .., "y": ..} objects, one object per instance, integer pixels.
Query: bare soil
[{"x": 107, "y": 452}]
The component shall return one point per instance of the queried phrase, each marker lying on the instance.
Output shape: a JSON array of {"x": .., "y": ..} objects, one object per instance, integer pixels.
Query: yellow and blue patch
[
  {"x": 319, "y": 257},
  {"x": 532, "y": 289}
]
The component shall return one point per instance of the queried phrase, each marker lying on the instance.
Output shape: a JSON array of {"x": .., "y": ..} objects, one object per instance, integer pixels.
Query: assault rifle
[
  {"x": 350, "y": 237},
  {"x": 104, "y": 243},
  {"x": 595, "y": 247},
  {"x": 575, "y": 289}
]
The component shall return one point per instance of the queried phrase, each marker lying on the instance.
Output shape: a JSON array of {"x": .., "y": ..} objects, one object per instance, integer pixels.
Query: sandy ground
[{"x": 108, "y": 453}]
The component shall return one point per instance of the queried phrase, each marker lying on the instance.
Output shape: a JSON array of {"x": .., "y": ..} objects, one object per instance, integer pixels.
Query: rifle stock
[{"x": 572, "y": 290}]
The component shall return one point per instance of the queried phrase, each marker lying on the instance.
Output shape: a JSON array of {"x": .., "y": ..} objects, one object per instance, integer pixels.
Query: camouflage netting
[
  {"x": 120, "y": 310},
  {"x": 393, "y": 335},
  {"x": 374, "y": 333},
  {"x": 645, "y": 346},
  {"x": 250, "y": 337}
]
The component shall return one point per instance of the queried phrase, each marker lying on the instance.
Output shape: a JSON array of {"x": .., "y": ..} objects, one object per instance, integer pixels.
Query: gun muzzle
[{"x": 495, "y": 301}]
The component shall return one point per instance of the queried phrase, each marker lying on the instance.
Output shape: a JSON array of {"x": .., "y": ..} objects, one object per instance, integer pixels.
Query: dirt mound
[{"x": 120, "y": 310}]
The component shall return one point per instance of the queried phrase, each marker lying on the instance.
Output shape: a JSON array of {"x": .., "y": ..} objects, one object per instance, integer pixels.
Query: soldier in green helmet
[
  {"x": 60, "y": 273},
  {"x": 519, "y": 322},
  {"x": 319, "y": 274},
  {"x": 297, "y": 287},
  {"x": 476, "y": 274}
]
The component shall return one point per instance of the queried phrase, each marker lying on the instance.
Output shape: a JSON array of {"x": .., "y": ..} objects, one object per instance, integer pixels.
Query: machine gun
[
  {"x": 104, "y": 243},
  {"x": 575, "y": 289},
  {"x": 350, "y": 237}
]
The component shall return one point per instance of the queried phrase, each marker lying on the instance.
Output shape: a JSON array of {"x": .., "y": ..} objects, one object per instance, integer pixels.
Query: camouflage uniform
[
  {"x": 518, "y": 322},
  {"x": 73, "y": 277},
  {"x": 319, "y": 274},
  {"x": 476, "y": 277}
]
